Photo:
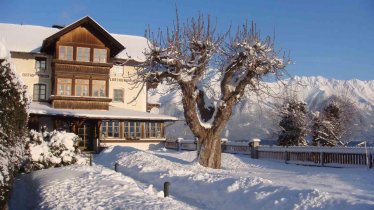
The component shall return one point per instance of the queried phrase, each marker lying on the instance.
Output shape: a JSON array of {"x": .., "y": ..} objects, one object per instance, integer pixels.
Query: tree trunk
[{"x": 210, "y": 153}]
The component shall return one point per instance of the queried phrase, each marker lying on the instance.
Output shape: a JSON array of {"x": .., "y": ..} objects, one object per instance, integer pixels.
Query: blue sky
[{"x": 334, "y": 39}]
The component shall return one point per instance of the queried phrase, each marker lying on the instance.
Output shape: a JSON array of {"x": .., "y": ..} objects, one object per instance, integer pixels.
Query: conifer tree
[
  {"x": 13, "y": 127},
  {"x": 293, "y": 124}
]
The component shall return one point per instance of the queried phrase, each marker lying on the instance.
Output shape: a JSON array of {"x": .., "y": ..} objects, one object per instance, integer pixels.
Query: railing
[
  {"x": 191, "y": 145},
  {"x": 322, "y": 156},
  {"x": 304, "y": 155}
]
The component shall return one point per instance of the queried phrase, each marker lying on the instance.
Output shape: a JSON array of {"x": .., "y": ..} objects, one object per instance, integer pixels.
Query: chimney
[{"x": 58, "y": 26}]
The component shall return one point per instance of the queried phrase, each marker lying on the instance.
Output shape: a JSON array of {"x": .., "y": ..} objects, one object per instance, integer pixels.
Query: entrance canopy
[{"x": 43, "y": 108}]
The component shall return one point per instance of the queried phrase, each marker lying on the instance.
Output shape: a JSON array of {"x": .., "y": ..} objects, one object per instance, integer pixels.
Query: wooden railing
[
  {"x": 322, "y": 156},
  {"x": 304, "y": 155}
]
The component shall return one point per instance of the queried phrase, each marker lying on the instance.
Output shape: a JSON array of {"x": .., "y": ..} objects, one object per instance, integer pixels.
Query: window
[
  {"x": 83, "y": 54},
  {"x": 65, "y": 53},
  {"x": 99, "y": 88},
  {"x": 81, "y": 87},
  {"x": 117, "y": 70},
  {"x": 110, "y": 128},
  {"x": 100, "y": 55},
  {"x": 40, "y": 64},
  {"x": 39, "y": 92},
  {"x": 64, "y": 87},
  {"x": 153, "y": 129},
  {"x": 83, "y": 133},
  {"x": 132, "y": 130},
  {"x": 118, "y": 95},
  {"x": 62, "y": 125}
]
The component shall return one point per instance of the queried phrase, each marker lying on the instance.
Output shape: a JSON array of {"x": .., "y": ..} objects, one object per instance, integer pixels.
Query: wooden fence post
[
  {"x": 223, "y": 144},
  {"x": 179, "y": 141},
  {"x": 285, "y": 157},
  {"x": 371, "y": 161},
  {"x": 322, "y": 157},
  {"x": 254, "y": 152},
  {"x": 254, "y": 144},
  {"x": 90, "y": 159}
]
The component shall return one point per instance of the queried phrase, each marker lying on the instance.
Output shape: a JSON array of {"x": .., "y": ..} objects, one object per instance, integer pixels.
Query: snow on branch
[{"x": 212, "y": 71}]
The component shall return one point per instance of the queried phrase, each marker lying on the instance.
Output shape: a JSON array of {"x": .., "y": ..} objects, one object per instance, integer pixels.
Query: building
[{"x": 78, "y": 78}]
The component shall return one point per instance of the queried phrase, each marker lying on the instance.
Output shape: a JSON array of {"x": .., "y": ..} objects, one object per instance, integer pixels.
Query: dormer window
[
  {"x": 65, "y": 53},
  {"x": 83, "y": 54},
  {"x": 40, "y": 64},
  {"x": 100, "y": 55}
]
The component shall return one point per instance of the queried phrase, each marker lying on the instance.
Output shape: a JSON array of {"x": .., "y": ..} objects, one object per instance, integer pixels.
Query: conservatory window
[
  {"x": 132, "y": 130},
  {"x": 110, "y": 128},
  {"x": 153, "y": 129}
]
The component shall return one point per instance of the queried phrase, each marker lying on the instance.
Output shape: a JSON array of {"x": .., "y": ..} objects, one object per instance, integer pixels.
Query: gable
[
  {"x": 84, "y": 30},
  {"x": 81, "y": 35}
]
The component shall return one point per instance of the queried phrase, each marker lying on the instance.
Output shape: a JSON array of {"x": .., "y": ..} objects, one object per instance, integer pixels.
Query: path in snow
[
  {"x": 244, "y": 183},
  {"x": 84, "y": 187}
]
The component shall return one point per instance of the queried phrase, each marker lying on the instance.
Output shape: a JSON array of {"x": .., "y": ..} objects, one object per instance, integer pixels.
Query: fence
[
  {"x": 226, "y": 146},
  {"x": 309, "y": 155},
  {"x": 322, "y": 156}
]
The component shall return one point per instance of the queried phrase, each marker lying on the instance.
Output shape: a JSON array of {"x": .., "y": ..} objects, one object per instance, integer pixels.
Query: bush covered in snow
[
  {"x": 13, "y": 124},
  {"x": 293, "y": 123},
  {"x": 51, "y": 149}
]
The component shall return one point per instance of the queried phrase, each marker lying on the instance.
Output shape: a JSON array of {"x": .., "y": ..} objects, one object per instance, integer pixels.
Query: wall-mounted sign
[
  {"x": 35, "y": 75},
  {"x": 117, "y": 80}
]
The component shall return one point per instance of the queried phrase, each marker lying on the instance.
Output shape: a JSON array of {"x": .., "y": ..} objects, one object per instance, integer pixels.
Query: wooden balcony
[
  {"x": 76, "y": 102},
  {"x": 62, "y": 67}
]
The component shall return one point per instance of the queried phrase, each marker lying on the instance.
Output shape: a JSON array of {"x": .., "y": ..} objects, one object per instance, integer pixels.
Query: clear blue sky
[{"x": 334, "y": 39}]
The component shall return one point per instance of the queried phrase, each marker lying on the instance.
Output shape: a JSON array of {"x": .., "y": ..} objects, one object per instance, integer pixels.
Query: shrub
[{"x": 52, "y": 149}]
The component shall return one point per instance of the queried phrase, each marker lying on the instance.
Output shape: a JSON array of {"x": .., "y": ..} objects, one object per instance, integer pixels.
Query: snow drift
[{"x": 244, "y": 183}]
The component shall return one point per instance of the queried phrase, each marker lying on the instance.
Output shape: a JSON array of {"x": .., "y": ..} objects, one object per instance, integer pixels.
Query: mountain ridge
[{"x": 256, "y": 117}]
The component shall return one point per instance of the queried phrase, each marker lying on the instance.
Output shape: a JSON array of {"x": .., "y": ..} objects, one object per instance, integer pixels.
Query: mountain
[{"x": 256, "y": 116}]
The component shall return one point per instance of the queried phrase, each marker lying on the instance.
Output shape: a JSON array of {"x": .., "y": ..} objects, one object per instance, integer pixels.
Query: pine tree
[
  {"x": 293, "y": 124},
  {"x": 13, "y": 127}
]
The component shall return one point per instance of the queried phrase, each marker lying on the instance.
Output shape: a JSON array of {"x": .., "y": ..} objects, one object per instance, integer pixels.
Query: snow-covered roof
[
  {"x": 3, "y": 51},
  {"x": 43, "y": 108},
  {"x": 29, "y": 38}
]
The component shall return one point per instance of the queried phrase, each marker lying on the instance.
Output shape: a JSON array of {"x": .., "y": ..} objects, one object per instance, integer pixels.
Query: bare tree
[
  {"x": 212, "y": 72},
  {"x": 336, "y": 123}
]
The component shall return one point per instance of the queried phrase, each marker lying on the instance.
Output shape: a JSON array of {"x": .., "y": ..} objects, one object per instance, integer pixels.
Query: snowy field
[{"x": 242, "y": 183}]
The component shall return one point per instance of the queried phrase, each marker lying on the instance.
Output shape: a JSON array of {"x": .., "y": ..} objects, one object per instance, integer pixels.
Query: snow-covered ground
[
  {"x": 85, "y": 187},
  {"x": 242, "y": 183}
]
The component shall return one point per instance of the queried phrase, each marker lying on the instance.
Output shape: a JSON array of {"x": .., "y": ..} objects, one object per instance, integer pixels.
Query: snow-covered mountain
[{"x": 257, "y": 116}]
